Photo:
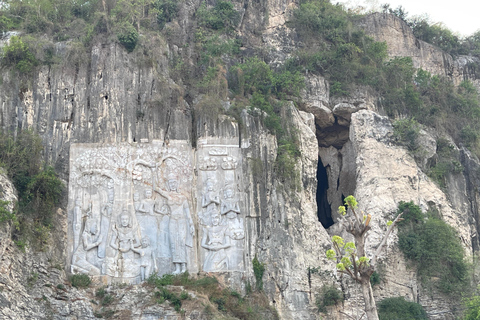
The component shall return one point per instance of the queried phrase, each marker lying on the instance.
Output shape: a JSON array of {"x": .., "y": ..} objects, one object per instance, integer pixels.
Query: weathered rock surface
[
  {"x": 402, "y": 43},
  {"x": 120, "y": 97}
]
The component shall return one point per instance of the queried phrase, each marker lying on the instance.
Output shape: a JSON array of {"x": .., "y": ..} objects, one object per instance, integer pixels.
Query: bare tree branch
[{"x": 384, "y": 240}]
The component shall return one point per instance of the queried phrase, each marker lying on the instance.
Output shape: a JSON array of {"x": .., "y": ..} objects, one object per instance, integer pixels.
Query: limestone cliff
[{"x": 117, "y": 97}]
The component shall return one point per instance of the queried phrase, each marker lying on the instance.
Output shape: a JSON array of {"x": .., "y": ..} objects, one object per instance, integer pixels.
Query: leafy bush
[
  {"x": 258, "y": 270},
  {"x": 329, "y": 296},
  {"x": 39, "y": 189},
  {"x": 6, "y": 215},
  {"x": 375, "y": 278},
  {"x": 80, "y": 280},
  {"x": 398, "y": 308},
  {"x": 472, "y": 308},
  {"x": 253, "y": 306},
  {"x": 412, "y": 214},
  {"x": 18, "y": 55},
  {"x": 128, "y": 36},
  {"x": 406, "y": 132},
  {"x": 222, "y": 16},
  {"x": 436, "y": 250},
  {"x": 167, "y": 11}
]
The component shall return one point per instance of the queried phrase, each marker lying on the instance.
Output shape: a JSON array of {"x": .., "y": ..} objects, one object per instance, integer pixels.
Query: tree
[{"x": 351, "y": 258}]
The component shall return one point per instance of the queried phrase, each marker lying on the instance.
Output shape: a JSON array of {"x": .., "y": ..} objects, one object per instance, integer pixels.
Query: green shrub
[
  {"x": 165, "y": 280},
  {"x": 222, "y": 16},
  {"x": 6, "y": 215},
  {"x": 436, "y": 250},
  {"x": 412, "y": 214},
  {"x": 128, "y": 36},
  {"x": 258, "y": 270},
  {"x": 472, "y": 308},
  {"x": 329, "y": 296},
  {"x": 375, "y": 278},
  {"x": 107, "y": 299},
  {"x": 406, "y": 132},
  {"x": 18, "y": 55},
  {"x": 80, "y": 280},
  {"x": 167, "y": 11},
  {"x": 398, "y": 308}
]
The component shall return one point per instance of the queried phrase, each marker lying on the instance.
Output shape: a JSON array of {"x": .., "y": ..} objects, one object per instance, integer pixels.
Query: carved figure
[
  {"x": 105, "y": 224},
  {"x": 235, "y": 229},
  {"x": 90, "y": 240},
  {"x": 229, "y": 203},
  {"x": 181, "y": 229},
  {"x": 136, "y": 202},
  {"x": 108, "y": 207},
  {"x": 215, "y": 241},
  {"x": 125, "y": 236},
  {"x": 147, "y": 205},
  {"x": 77, "y": 222},
  {"x": 210, "y": 197},
  {"x": 147, "y": 259},
  {"x": 210, "y": 200}
]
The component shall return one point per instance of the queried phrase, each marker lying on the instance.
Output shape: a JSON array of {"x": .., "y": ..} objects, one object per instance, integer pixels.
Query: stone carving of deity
[
  {"x": 107, "y": 210},
  {"x": 77, "y": 222},
  {"x": 147, "y": 205},
  {"x": 90, "y": 240},
  {"x": 235, "y": 229},
  {"x": 231, "y": 210},
  {"x": 136, "y": 202},
  {"x": 210, "y": 200},
  {"x": 180, "y": 227},
  {"x": 215, "y": 241},
  {"x": 124, "y": 236},
  {"x": 147, "y": 259}
]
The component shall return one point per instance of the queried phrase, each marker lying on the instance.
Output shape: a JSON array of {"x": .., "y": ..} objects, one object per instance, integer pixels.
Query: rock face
[
  {"x": 125, "y": 135},
  {"x": 402, "y": 43}
]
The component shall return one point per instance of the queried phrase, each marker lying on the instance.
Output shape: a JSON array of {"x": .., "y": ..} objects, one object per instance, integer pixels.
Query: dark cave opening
[{"x": 324, "y": 212}]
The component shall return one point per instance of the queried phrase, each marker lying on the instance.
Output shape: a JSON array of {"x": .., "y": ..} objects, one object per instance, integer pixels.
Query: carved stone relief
[
  {"x": 133, "y": 210},
  {"x": 130, "y": 210},
  {"x": 220, "y": 214}
]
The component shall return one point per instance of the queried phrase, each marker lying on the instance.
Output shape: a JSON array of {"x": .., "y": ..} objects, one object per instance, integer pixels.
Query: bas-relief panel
[
  {"x": 219, "y": 208},
  {"x": 132, "y": 213}
]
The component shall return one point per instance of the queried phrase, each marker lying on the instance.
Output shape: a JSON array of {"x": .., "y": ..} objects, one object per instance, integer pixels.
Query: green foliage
[
  {"x": 436, "y": 34},
  {"x": 80, "y": 280},
  {"x": 39, "y": 188},
  {"x": 18, "y": 55},
  {"x": 42, "y": 194},
  {"x": 101, "y": 292},
  {"x": 107, "y": 300},
  {"x": 222, "y": 16},
  {"x": 375, "y": 278},
  {"x": 472, "y": 308},
  {"x": 329, "y": 296},
  {"x": 167, "y": 11},
  {"x": 338, "y": 50},
  {"x": 406, "y": 132},
  {"x": 6, "y": 215},
  {"x": 258, "y": 270},
  {"x": 435, "y": 248},
  {"x": 412, "y": 214},
  {"x": 215, "y": 46},
  {"x": 398, "y": 308},
  {"x": 128, "y": 36},
  {"x": 251, "y": 307}
]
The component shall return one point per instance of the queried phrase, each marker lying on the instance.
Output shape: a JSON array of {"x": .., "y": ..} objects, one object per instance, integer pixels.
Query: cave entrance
[{"x": 324, "y": 212}]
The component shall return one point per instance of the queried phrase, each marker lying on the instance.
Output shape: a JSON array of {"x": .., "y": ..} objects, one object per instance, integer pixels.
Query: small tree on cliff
[{"x": 351, "y": 258}]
